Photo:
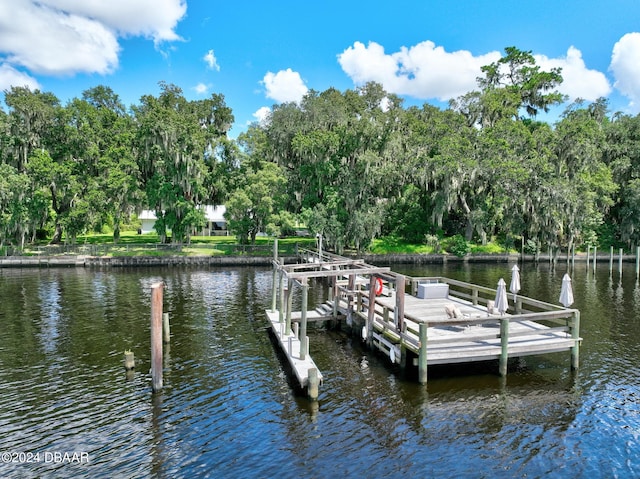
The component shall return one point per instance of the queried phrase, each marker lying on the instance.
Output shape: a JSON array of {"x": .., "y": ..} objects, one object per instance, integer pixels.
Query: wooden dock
[{"x": 414, "y": 321}]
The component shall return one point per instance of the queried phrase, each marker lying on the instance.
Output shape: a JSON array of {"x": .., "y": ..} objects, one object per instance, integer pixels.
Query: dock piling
[
  {"x": 575, "y": 334},
  {"x": 422, "y": 358},
  {"x": 303, "y": 321},
  {"x": 156, "y": 336},
  {"x": 611, "y": 261},
  {"x": 620, "y": 262},
  {"x": 281, "y": 295},
  {"x": 313, "y": 384},
  {"x": 504, "y": 343},
  {"x": 289, "y": 306},
  {"x": 400, "y": 292},
  {"x": 166, "y": 331},
  {"x": 129, "y": 360},
  {"x": 371, "y": 308}
]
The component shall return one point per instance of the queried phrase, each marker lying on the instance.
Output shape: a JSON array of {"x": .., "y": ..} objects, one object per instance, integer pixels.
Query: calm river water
[{"x": 228, "y": 409}]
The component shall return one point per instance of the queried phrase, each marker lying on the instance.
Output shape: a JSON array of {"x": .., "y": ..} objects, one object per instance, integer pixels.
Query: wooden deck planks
[{"x": 451, "y": 341}]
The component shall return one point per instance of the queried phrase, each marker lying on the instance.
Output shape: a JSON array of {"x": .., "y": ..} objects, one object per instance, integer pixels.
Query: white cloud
[
  {"x": 422, "y": 71},
  {"x": 156, "y": 19},
  {"x": 578, "y": 80},
  {"x": 201, "y": 89},
  {"x": 9, "y": 77},
  {"x": 625, "y": 66},
  {"x": 65, "y": 37},
  {"x": 211, "y": 61},
  {"x": 284, "y": 86},
  {"x": 262, "y": 114},
  {"x": 426, "y": 71}
]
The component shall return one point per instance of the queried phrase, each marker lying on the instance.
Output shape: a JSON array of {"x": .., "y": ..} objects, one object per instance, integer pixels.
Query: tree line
[{"x": 351, "y": 165}]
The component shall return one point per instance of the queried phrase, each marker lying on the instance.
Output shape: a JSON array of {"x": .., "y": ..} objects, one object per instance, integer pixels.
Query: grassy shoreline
[{"x": 131, "y": 243}]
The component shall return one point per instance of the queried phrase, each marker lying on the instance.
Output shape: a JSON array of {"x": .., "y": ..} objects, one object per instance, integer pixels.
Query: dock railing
[
  {"x": 374, "y": 299},
  {"x": 411, "y": 331}
]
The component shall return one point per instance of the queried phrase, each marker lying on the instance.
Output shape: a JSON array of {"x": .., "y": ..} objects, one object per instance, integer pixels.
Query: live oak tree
[
  {"x": 176, "y": 141},
  {"x": 510, "y": 86}
]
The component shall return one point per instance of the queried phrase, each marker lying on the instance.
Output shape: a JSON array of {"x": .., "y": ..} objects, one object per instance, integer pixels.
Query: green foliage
[
  {"x": 352, "y": 165},
  {"x": 457, "y": 246}
]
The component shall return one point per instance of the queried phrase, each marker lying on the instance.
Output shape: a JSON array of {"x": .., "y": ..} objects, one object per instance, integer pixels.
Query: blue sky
[{"x": 258, "y": 54}]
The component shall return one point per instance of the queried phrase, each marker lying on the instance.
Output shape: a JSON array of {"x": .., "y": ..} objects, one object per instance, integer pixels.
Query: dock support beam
[
  {"x": 287, "y": 329},
  {"x": 303, "y": 321},
  {"x": 400, "y": 287},
  {"x": 575, "y": 335},
  {"x": 422, "y": 358},
  {"x": 371, "y": 309},
  {"x": 504, "y": 342},
  {"x": 282, "y": 300},
  {"x": 274, "y": 284}
]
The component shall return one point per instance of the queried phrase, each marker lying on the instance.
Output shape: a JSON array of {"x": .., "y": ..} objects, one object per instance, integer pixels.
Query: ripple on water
[{"x": 228, "y": 410}]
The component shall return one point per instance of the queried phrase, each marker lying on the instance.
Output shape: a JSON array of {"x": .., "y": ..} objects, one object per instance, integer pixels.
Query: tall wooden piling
[
  {"x": 156, "y": 336},
  {"x": 595, "y": 258},
  {"x": 637, "y": 262}
]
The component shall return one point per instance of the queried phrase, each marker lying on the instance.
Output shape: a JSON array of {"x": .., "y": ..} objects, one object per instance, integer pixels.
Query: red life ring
[{"x": 379, "y": 286}]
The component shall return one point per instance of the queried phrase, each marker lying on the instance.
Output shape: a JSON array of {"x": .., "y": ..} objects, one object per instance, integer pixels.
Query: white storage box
[{"x": 433, "y": 290}]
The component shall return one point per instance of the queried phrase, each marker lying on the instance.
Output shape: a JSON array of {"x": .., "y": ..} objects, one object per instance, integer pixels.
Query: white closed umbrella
[
  {"x": 514, "y": 287},
  {"x": 566, "y": 293},
  {"x": 501, "y": 301}
]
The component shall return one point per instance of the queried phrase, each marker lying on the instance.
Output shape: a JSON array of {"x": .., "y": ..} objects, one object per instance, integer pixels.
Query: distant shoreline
[{"x": 242, "y": 260}]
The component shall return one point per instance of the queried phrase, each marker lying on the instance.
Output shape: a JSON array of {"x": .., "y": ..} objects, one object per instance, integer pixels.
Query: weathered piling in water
[
  {"x": 611, "y": 261},
  {"x": 620, "y": 262},
  {"x": 129, "y": 360},
  {"x": 156, "y": 336},
  {"x": 166, "y": 331},
  {"x": 313, "y": 384}
]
